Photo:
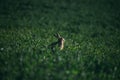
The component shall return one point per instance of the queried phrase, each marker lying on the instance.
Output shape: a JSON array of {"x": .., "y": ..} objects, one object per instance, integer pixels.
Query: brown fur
[{"x": 59, "y": 42}]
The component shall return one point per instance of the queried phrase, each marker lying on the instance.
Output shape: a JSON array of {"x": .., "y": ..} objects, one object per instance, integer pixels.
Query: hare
[{"x": 59, "y": 42}]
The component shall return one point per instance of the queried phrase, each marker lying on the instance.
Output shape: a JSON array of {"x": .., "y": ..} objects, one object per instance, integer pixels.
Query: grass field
[{"x": 91, "y": 29}]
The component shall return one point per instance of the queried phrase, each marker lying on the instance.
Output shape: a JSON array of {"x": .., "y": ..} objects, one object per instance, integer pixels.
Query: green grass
[{"x": 91, "y": 29}]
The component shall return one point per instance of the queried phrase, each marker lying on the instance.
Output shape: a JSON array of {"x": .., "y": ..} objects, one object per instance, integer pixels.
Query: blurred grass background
[{"x": 90, "y": 28}]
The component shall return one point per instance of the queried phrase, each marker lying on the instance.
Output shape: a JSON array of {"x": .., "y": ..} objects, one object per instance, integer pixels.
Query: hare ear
[{"x": 57, "y": 35}]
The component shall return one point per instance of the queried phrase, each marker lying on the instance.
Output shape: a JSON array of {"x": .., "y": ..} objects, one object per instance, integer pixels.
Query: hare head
[{"x": 60, "y": 41}]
